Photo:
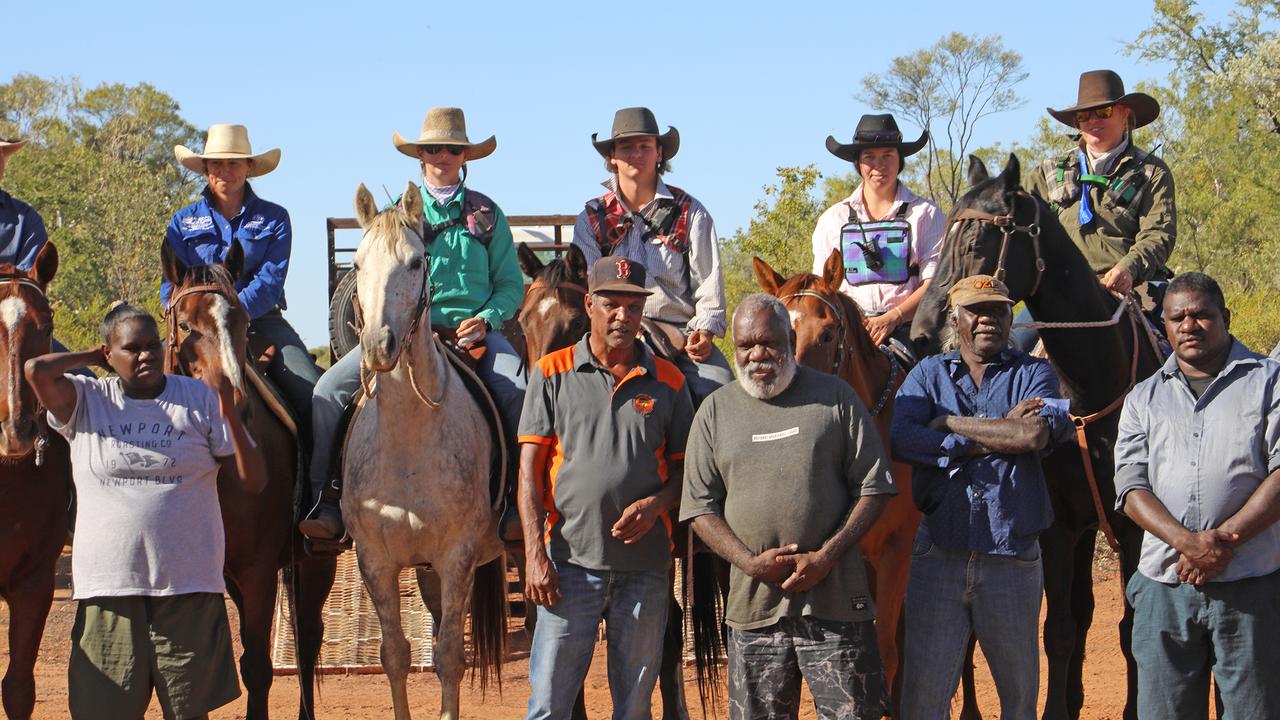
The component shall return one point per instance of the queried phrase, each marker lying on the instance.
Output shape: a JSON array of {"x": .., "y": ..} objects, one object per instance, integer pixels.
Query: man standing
[
  {"x": 785, "y": 474},
  {"x": 602, "y": 442},
  {"x": 973, "y": 423},
  {"x": 1198, "y": 467}
]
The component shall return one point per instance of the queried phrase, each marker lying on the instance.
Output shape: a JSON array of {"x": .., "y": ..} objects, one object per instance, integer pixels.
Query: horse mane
[
  {"x": 387, "y": 225},
  {"x": 555, "y": 272},
  {"x": 212, "y": 275}
]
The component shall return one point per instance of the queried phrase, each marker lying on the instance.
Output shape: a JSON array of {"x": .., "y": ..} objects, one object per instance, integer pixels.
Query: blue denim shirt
[
  {"x": 21, "y": 232},
  {"x": 992, "y": 503},
  {"x": 201, "y": 236}
]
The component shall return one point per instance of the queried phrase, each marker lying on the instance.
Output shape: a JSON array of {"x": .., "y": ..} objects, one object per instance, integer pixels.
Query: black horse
[{"x": 996, "y": 225}]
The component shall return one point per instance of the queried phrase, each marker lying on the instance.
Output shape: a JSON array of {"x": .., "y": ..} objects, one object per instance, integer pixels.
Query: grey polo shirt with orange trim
[{"x": 610, "y": 446}]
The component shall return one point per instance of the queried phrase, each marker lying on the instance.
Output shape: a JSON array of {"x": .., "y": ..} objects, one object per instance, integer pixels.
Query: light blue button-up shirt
[{"x": 1203, "y": 459}]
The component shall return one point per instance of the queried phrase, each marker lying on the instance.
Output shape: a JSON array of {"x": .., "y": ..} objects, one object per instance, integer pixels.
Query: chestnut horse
[
  {"x": 208, "y": 340},
  {"x": 35, "y": 469},
  {"x": 830, "y": 337}
]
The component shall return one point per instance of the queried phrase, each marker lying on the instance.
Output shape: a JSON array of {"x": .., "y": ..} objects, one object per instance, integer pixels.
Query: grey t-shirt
[
  {"x": 146, "y": 478},
  {"x": 787, "y": 470}
]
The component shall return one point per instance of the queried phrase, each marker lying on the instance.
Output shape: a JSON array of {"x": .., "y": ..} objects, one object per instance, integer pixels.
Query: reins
[{"x": 42, "y": 439}]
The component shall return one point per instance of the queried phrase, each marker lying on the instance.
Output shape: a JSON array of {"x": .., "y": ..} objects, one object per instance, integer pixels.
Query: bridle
[
  {"x": 842, "y": 347},
  {"x": 173, "y": 362},
  {"x": 1008, "y": 226},
  {"x": 42, "y": 439}
]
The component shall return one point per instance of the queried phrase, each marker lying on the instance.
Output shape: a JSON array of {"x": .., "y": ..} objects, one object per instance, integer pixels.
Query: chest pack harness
[
  {"x": 879, "y": 251},
  {"x": 1119, "y": 190},
  {"x": 477, "y": 216},
  {"x": 666, "y": 219}
]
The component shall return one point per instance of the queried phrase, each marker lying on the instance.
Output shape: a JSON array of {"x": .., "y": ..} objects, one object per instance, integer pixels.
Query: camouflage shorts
[{"x": 839, "y": 661}]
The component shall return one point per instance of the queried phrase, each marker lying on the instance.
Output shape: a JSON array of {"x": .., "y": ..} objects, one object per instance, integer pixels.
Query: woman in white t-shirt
[{"x": 146, "y": 451}]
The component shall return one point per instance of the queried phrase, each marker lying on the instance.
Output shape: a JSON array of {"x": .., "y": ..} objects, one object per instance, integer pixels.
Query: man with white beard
[{"x": 784, "y": 473}]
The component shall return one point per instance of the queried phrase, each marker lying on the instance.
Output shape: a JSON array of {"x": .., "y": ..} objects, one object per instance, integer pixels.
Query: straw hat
[
  {"x": 1099, "y": 88},
  {"x": 11, "y": 145},
  {"x": 638, "y": 122},
  {"x": 445, "y": 126},
  {"x": 875, "y": 131},
  {"x": 227, "y": 142}
]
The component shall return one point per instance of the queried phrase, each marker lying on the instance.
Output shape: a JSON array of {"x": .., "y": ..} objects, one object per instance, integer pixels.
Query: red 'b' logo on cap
[{"x": 624, "y": 269}]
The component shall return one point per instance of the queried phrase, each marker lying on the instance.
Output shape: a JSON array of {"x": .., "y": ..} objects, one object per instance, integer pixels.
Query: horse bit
[{"x": 42, "y": 440}]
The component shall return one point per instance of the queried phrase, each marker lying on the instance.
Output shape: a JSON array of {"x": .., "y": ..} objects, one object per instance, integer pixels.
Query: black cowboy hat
[
  {"x": 1099, "y": 88},
  {"x": 875, "y": 131},
  {"x": 638, "y": 122}
]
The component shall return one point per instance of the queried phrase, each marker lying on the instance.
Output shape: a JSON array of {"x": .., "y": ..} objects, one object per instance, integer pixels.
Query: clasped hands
[
  {"x": 1205, "y": 555},
  {"x": 796, "y": 571}
]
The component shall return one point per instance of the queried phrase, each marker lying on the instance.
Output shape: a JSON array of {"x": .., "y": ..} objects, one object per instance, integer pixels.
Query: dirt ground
[{"x": 366, "y": 696}]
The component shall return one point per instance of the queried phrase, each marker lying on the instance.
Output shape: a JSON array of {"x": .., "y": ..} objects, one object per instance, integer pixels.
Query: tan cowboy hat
[
  {"x": 445, "y": 126},
  {"x": 638, "y": 122},
  {"x": 227, "y": 142},
  {"x": 1099, "y": 88},
  {"x": 11, "y": 145}
]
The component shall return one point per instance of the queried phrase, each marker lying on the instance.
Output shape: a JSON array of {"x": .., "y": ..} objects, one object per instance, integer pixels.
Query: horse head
[
  {"x": 26, "y": 330},
  {"x": 207, "y": 327},
  {"x": 553, "y": 314},
  {"x": 393, "y": 286}
]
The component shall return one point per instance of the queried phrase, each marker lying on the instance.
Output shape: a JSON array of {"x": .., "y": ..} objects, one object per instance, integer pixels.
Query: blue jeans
[
  {"x": 704, "y": 378},
  {"x": 1182, "y": 634},
  {"x": 952, "y": 593},
  {"x": 634, "y": 608},
  {"x": 499, "y": 369}
]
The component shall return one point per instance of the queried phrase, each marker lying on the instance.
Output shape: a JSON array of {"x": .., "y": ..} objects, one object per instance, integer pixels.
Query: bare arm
[
  {"x": 47, "y": 375},
  {"x": 1013, "y": 436},
  {"x": 247, "y": 464},
  {"x": 811, "y": 568},
  {"x": 540, "y": 583},
  {"x": 718, "y": 536}
]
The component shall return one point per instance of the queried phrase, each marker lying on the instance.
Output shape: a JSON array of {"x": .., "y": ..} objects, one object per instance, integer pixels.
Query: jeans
[
  {"x": 705, "y": 377},
  {"x": 954, "y": 592},
  {"x": 499, "y": 369},
  {"x": 840, "y": 661},
  {"x": 634, "y": 608},
  {"x": 293, "y": 370},
  {"x": 1182, "y": 634}
]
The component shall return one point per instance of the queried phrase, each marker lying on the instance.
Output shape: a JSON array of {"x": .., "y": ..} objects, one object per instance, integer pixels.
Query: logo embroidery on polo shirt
[
  {"x": 197, "y": 223},
  {"x": 256, "y": 223},
  {"x": 767, "y": 437},
  {"x": 643, "y": 404},
  {"x": 624, "y": 269}
]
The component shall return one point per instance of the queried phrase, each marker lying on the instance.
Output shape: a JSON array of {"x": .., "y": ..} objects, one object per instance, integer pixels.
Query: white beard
[{"x": 766, "y": 391}]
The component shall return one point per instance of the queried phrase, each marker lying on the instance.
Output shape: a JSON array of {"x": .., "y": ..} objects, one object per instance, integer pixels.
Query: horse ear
[
  {"x": 411, "y": 203},
  {"x": 1011, "y": 176},
  {"x": 234, "y": 261},
  {"x": 977, "y": 170},
  {"x": 366, "y": 208},
  {"x": 767, "y": 277},
  {"x": 46, "y": 264},
  {"x": 528, "y": 259},
  {"x": 577, "y": 263},
  {"x": 171, "y": 266},
  {"x": 833, "y": 271}
]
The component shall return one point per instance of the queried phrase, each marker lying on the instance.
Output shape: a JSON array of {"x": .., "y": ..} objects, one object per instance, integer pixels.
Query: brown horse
[
  {"x": 208, "y": 340},
  {"x": 830, "y": 337},
  {"x": 35, "y": 469}
]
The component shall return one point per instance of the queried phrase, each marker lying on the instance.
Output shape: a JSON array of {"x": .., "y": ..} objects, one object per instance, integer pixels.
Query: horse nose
[{"x": 378, "y": 347}]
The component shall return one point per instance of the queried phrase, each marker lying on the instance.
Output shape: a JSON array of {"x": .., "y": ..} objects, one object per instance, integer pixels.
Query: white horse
[{"x": 416, "y": 463}]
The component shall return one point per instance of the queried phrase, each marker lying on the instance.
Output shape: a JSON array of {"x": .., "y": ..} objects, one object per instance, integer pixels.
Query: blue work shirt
[
  {"x": 200, "y": 235},
  {"x": 21, "y": 232},
  {"x": 992, "y": 503}
]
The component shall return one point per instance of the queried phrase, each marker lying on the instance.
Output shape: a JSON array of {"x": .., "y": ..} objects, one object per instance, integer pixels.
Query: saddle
[{"x": 665, "y": 339}]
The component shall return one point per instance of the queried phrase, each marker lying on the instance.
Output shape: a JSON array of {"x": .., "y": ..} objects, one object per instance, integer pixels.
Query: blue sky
[{"x": 750, "y": 86}]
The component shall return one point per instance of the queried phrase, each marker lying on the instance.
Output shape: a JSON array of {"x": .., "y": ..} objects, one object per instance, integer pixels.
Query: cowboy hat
[
  {"x": 227, "y": 142},
  {"x": 445, "y": 126},
  {"x": 875, "y": 131},
  {"x": 638, "y": 122},
  {"x": 11, "y": 145},
  {"x": 1099, "y": 88}
]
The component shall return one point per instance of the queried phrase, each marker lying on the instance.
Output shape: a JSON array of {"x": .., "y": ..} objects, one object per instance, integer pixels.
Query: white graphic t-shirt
[{"x": 146, "y": 478}]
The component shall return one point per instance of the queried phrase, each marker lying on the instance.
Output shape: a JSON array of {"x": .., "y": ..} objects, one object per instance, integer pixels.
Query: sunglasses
[
  {"x": 1102, "y": 113},
  {"x": 451, "y": 149}
]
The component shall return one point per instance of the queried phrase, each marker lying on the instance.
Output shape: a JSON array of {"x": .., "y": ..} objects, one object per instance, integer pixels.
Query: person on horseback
[
  {"x": 229, "y": 210},
  {"x": 888, "y": 235},
  {"x": 668, "y": 231},
  {"x": 475, "y": 285},
  {"x": 1115, "y": 199}
]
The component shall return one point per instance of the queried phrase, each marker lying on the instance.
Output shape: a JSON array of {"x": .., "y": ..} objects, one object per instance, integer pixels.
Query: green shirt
[{"x": 469, "y": 280}]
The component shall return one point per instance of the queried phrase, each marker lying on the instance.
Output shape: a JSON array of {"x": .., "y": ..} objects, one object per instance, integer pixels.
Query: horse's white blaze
[
  {"x": 231, "y": 365},
  {"x": 547, "y": 306},
  {"x": 12, "y": 310},
  {"x": 795, "y": 317}
]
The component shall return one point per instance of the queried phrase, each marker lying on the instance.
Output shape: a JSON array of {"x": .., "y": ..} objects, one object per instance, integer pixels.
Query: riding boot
[{"x": 324, "y": 522}]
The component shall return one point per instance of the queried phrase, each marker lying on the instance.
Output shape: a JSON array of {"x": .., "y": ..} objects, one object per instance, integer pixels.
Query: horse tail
[
  {"x": 489, "y": 621},
  {"x": 706, "y": 611}
]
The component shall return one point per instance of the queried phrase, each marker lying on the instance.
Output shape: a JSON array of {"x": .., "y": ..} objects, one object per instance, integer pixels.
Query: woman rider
[
  {"x": 888, "y": 235},
  {"x": 476, "y": 285},
  {"x": 228, "y": 209}
]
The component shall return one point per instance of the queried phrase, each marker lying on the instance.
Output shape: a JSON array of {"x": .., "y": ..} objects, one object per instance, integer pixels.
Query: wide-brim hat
[
  {"x": 227, "y": 142},
  {"x": 1099, "y": 88},
  {"x": 445, "y": 126},
  {"x": 11, "y": 145},
  {"x": 876, "y": 131},
  {"x": 638, "y": 122}
]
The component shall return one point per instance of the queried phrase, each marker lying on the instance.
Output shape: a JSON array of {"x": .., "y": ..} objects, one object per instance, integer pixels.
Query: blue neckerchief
[{"x": 1086, "y": 212}]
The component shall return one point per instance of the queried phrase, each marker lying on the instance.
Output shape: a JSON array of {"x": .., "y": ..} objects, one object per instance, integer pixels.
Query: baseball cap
[
  {"x": 977, "y": 289},
  {"x": 615, "y": 273}
]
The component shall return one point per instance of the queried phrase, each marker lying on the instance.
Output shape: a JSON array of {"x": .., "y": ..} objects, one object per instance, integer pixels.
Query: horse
[
  {"x": 207, "y": 336},
  {"x": 35, "y": 473},
  {"x": 426, "y": 504},
  {"x": 831, "y": 337},
  {"x": 998, "y": 228}
]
